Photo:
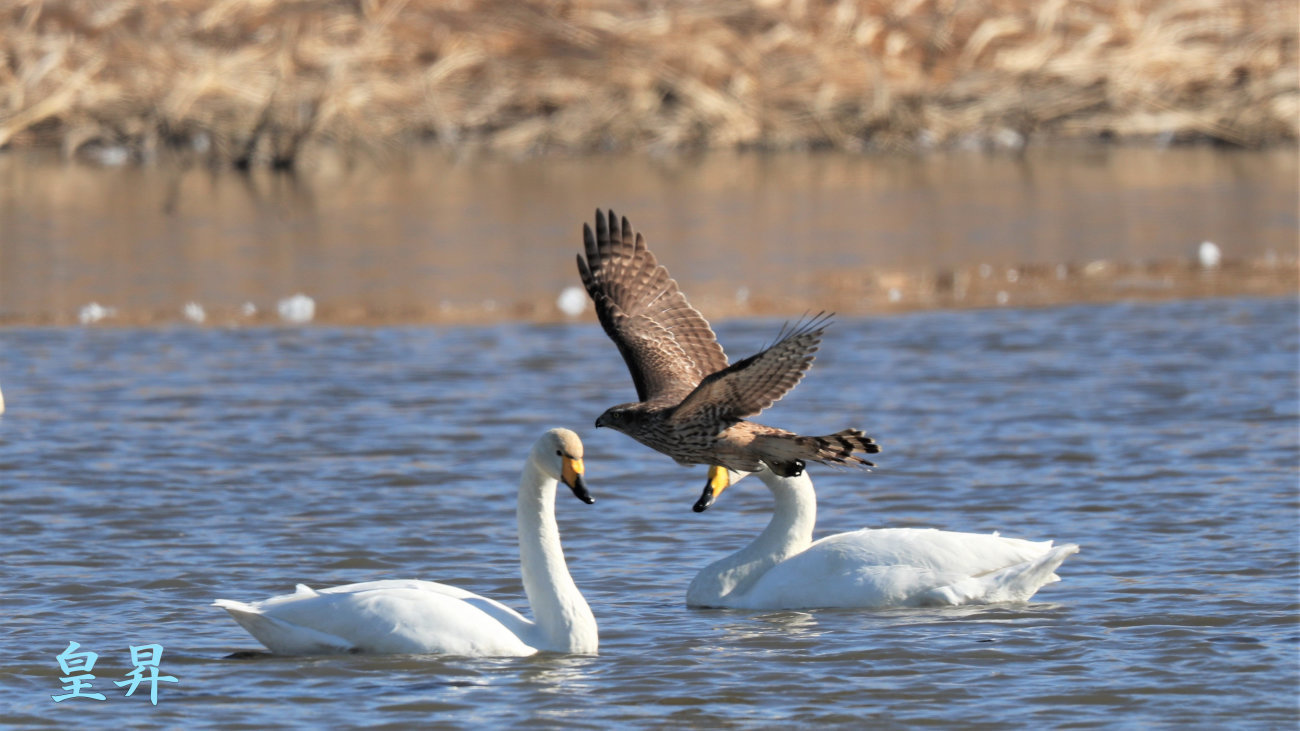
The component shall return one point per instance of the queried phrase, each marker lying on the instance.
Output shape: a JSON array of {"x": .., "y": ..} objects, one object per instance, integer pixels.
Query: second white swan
[
  {"x": 783, "y": 568},
  {"x": 414, "y": 616}
]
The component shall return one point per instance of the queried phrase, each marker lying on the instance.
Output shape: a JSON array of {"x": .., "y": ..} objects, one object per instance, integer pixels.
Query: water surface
[
  {"x": 427, "y": 239},
  {"x": 144, "y": 473}
]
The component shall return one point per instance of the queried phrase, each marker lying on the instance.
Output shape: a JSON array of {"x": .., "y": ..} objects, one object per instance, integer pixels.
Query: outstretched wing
[
  {"x": 667, "y": 344},
  {"x": 748, "y": 386}
]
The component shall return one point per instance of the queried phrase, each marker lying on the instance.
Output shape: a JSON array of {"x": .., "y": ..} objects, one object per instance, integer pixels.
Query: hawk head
[{"x": 623, "y": 417}]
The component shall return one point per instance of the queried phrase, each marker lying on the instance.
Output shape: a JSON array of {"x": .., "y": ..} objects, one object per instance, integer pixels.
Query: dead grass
[{"x": 266, "y": 82}]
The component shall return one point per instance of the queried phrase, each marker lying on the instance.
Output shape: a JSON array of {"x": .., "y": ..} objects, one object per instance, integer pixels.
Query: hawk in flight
[{"x": 693, "y": 405}]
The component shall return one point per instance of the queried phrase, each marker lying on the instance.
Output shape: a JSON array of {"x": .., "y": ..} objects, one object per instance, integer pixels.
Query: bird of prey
[{"x": 693, "y": 405}]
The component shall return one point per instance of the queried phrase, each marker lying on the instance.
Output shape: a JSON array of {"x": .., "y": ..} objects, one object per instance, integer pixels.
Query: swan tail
[
  {"x": 787, "y": 454},
  {"x": 280, "y": 636},
  {"x": 1016, "y": 583}
]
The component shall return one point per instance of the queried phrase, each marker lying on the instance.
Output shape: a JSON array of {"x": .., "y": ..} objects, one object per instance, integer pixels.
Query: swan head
[
  {"x": 720, "y": 478},
  {"x": 780, "y": 483},
  {"x": 559, "y": 454}
]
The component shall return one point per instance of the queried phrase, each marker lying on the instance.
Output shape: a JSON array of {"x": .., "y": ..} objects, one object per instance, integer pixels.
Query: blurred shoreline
[
  {"x": 251, "y": 84},
  {"x": 444, "y": 241},
  {"x": 848, "y": 294}
]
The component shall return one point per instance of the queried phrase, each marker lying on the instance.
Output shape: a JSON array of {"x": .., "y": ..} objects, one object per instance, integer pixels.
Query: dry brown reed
[{"x": 264, "y": 82}]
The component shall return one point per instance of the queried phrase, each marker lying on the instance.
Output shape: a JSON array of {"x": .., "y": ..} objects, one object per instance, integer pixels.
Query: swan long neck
[
  {"x": 789, "y": 532},
  {"x": 559, "y": 610}
]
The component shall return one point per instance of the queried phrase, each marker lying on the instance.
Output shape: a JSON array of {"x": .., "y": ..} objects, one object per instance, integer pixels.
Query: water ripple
[{"x": 146, "y": 472}]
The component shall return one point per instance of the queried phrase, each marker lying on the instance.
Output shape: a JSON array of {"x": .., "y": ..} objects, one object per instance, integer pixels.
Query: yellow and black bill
[
  {"x": 719, "y": 480},
  {"x": 571, "y": 475}
]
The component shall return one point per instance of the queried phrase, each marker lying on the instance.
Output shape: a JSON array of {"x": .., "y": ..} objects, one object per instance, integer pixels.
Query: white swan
[
  {"x": 871, "y": 568},
  {"x": 426, "y": 617}
]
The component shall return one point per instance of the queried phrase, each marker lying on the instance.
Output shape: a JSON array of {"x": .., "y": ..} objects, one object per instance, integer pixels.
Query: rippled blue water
[{"x": 144, "y": 473}]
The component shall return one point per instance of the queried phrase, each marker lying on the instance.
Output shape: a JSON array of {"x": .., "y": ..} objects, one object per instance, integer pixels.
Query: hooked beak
[
  {"x": 600, "y": 421},
  {"x": 571, "y": 475},
  {"x": 719, "y": 480}
]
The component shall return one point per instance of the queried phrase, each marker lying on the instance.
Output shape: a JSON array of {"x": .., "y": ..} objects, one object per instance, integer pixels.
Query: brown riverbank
[{"x": 253, "y": 83}]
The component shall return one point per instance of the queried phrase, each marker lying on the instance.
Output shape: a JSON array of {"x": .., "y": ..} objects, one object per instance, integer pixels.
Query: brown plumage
[{"x": 693, "y": 405}]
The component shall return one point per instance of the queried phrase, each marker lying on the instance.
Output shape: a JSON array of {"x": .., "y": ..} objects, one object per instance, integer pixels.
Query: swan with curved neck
[
  {"x": 783, "y": 568},
  {"x": 412, "y": 616}
]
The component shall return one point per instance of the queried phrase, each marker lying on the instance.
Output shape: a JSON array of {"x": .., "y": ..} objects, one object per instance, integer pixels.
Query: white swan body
[
  {"x": 411, "y": 616},
  {"x": 871, "y": 568}
]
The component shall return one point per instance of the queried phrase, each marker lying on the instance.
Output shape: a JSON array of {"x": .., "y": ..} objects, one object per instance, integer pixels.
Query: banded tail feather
[{"x": 790, "y": 452}]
